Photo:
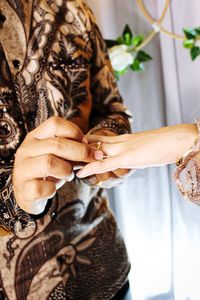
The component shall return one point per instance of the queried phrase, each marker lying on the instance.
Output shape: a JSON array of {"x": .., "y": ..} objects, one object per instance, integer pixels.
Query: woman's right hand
[{"x": 47, "y": 153}]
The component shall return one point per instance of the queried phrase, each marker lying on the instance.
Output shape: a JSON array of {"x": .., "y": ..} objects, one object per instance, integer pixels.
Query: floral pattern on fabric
[{"x": 57, "y": 66}]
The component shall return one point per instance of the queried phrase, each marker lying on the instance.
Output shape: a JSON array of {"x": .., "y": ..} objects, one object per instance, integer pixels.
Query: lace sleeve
[{"x": 187, "y": 173}]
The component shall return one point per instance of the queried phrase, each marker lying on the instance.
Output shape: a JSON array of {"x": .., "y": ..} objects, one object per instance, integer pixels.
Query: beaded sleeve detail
[{"x": 187, "y": 173}]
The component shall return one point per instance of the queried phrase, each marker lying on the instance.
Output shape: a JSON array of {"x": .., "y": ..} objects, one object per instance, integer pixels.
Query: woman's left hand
[
  {"x": 114, "y": 164},
  {"x": 101, "y": 177},
  {"x": 143, "y": 149}
]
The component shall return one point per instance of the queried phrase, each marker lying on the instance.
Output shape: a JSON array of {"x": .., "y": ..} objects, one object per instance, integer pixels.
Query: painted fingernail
[
  {"x": 84, "y": 140},
  {"x": 98, "y": 155}
]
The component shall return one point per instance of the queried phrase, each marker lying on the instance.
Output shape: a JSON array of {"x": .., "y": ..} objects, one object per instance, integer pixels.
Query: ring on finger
[{"x": 99, "y": 147}]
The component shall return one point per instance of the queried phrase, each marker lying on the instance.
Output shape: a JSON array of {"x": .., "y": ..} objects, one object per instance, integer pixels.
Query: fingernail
[
  {"x": 84, "y": 140},
  {"x": 98, "y": 155},
  {"x": 75, "y": 168},
  {"x": 60, "y": 183},
  {"x": 69, "y": 177},
  {"x": 80, "y": 174}
]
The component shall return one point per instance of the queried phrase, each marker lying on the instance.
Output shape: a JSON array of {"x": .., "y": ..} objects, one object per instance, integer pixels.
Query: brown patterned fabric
[{"x": 53, "y": 61}]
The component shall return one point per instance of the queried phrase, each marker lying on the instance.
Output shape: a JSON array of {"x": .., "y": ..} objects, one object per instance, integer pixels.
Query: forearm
[
  {"x": 143, "y": 149},
  {"x": 163, "y": 146}
]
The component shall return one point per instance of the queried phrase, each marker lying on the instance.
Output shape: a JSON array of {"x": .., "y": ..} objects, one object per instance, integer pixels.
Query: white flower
[
  {"x": 197, "y": 43},
  {"x": 120, "y": 58}
]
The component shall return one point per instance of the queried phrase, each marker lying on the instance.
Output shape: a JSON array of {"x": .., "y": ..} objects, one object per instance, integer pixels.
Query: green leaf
[
  {"x": 137, "y": 66},
  {"x": 111, "y": 43},
  {"x": 127, "y": 39},
  {"x": 195, "y": 51},
  {"x": 120, "y": 40},
  {"x": 143, "y": 56},
  {"x": 188, "y": 43},
  {"x": 190, "y": 33},
  {"x": 118, "y": 74},
  {"x": 127, "y": 30},
  {"x": 197, "y": 30},
  {"x": 137, "y": 40},
  {"x": 123, "y": 71}
]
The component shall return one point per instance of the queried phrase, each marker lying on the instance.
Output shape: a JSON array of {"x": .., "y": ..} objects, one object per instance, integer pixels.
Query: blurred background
[{"x": 161, "y": 229}]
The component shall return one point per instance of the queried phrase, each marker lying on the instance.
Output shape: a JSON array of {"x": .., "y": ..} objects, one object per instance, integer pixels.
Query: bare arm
[{"x": 145, "y": 149}]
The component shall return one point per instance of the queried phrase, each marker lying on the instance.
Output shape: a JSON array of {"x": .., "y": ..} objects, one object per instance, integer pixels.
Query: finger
[
  {"x": 77, "y": 166},
  {"x": 60, "y": 147},
  {"x": 105, "y": 176},
  {"x": 98, "y": 179},
  {"x": 61, "y": 182},
  {"x": 110, "y": 149},
  {"x": 43, "y": 166},
  {"x": 35, "y": 194},
  {"x": 57, "y": 126},
  {"x": 121, "y": 172},
  {"x": 98, "y": 167},
  {"x": 108, "y": 139},
  {"x": 38, "y": 189},
  {"x": 113, "y": 149}
]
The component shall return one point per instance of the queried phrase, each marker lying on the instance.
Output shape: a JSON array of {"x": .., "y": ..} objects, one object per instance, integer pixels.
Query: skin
[
  {"x": 144, "y": 149},
  {"x": 52, "y": 152}
]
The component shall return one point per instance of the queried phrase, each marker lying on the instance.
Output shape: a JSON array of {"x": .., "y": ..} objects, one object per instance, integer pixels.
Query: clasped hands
[{"x": 47, "y": 159}]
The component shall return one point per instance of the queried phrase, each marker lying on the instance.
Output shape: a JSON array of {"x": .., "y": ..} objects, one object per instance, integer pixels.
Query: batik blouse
[{"x": 53, "y": 62}]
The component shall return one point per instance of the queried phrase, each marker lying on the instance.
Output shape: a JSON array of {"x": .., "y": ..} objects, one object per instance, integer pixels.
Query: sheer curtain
[{"x": 161, "y": 229}]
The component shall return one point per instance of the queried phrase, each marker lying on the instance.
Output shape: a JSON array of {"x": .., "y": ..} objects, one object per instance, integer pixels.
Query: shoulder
[
  {"x": 73, "y": 12},
  {"x": 81, "y": 12}
]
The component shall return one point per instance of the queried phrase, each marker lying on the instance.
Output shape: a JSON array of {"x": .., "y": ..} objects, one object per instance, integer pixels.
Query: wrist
[
  {"x": 165, "y": 145},
  {"x": 178, "y": 140}
]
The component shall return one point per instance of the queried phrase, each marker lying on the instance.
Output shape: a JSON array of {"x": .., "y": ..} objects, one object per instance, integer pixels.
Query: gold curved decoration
[{"x": 158, "y": 23}]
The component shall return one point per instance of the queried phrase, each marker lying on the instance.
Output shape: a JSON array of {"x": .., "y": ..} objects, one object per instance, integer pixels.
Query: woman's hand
[
  {"x": 108, "y": 178},
  {"x": 139, "y": 150},
  {"x": 117, "y": 152},
  {"x": 45, "y": 160}
]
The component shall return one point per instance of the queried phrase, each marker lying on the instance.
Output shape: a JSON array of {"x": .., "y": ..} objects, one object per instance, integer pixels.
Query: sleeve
[
  {"x": 12, "y": 132},
  {"x": 187, "y": 173},
  {"x": 12, "y": 218},
  {"x": 108, "y": 110},
  {"x": 108, "y": 114}
]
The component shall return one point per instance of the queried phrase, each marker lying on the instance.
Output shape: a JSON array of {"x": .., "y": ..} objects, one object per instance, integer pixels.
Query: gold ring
[{"x": 99, "y": 145}]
